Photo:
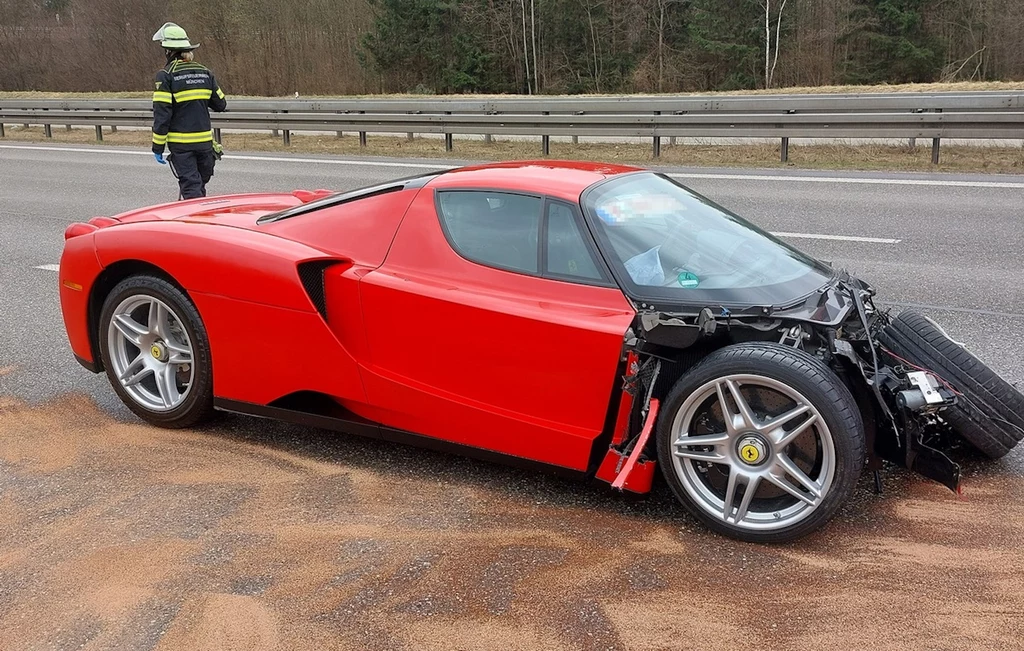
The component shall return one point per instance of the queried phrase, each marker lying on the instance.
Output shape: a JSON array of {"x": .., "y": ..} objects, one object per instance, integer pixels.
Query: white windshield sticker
[{"x": 639, "y": 206}]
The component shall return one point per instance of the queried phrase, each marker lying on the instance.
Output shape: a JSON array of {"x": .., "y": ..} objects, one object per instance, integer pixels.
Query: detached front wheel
[
  {"x": 989, "y": 413},
  {"x": 761, "y": 442}
]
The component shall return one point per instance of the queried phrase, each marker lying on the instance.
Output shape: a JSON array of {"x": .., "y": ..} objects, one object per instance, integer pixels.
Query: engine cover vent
[{"x": 312, "y": 276}]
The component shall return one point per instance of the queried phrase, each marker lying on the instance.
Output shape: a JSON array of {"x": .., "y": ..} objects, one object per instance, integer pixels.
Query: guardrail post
[
  {"x": 287, "y": 135},
  {"x": 448, "y": 144},
  {"x": 657, "y": 140},
  {"x": 216, "y": 134},
  {"x": 2, "y": 133},
  {"x": 362, "y": 134},
  {"x": 47, "y": 131},
  {"x": 785, "y": 150},
  {"x": 545, "y": 141},
  {"x": 99, "y": 133},
  {"x": 113, "y": 128},
  {"x": 67, "y": 127},
  {"x": 935, "y": 151}
]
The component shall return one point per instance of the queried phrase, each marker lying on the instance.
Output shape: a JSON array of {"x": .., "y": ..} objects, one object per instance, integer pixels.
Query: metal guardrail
[{"x": 983, "y": 115}]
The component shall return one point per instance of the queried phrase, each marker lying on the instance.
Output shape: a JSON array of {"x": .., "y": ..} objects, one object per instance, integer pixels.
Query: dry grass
[
  {"x": 954, "y": 158},
  {"x": 960, "y": 86}
]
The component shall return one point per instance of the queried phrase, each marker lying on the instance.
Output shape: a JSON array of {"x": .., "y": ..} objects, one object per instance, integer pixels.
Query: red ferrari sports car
[{"x": 593, "y": 319}]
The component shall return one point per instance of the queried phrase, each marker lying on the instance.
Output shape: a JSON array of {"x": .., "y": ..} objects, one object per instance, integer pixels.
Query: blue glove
[{"x": 159, "y": 158}]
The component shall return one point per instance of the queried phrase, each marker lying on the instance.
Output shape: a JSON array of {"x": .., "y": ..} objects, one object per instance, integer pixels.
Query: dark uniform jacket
[{"x": 185, "y": 91}]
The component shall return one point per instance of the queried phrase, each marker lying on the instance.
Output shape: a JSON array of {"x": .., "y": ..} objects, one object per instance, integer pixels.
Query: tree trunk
[
  {"x": 533, "y": 34},
  {"x": 526, "y": 49}
]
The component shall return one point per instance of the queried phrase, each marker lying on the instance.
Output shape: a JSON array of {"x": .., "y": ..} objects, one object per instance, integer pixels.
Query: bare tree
[
  {"x": 661, "y": 21},
  {"x": 769, "y": 73},
  {"x": 533, "y": 37},
  {"x": 526, "y": 49}
]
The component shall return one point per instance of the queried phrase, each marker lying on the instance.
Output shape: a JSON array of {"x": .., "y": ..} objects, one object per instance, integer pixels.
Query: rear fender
[
  {"x": 245, "y": 265},
  {"x": 257, "y": 311}
]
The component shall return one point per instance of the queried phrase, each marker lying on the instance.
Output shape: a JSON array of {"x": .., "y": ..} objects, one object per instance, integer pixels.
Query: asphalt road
[
  {"x": 259, "y": 535},
  {"x": 960, "y": 240}
]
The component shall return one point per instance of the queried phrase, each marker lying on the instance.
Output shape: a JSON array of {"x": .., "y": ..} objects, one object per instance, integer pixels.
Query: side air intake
[{"x": 312, "y": 276}]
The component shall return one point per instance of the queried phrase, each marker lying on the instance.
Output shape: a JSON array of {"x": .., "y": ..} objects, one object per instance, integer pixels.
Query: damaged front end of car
[{"x": 901, "y": 404}]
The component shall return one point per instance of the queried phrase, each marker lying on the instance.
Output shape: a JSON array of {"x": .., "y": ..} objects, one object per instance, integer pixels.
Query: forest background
[{"x": 354, "y": 47}]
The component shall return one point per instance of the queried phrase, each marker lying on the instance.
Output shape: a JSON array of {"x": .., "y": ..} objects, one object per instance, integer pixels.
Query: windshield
[{"x": 665, "y": 242}]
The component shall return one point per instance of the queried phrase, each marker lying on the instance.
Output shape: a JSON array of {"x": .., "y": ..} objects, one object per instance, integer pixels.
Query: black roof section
[{"x": 417, "y": 181}]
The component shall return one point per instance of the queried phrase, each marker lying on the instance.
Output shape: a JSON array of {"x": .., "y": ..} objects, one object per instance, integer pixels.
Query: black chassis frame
[{"x": 837, "y": 324}]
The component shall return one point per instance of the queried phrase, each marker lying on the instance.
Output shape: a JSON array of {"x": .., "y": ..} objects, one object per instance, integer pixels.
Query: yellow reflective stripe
[
  {"x": 189, "y": 95},
  {"x": 220, "y": 93},
  {"x": 161, "y": 96},
  {"x": 189, "y": 138},
  {"x": 159, "y": 139}
]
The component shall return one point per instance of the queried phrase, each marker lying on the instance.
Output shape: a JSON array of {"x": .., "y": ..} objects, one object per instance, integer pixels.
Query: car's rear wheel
[
  {"x": 761, "y": 442},
  {"x": 989, "y": 413},
  {"x": 156, "y": 352}
]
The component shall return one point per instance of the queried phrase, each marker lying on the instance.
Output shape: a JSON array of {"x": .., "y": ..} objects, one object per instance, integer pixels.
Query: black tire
[
  {"x": 197, "y": 406},
  {"x": 809, "y": 377},
  {"x": 990, "y": 413}
]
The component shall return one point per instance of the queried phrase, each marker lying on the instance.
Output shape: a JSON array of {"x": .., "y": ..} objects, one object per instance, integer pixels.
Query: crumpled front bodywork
[{"x": 838, "y": 324}]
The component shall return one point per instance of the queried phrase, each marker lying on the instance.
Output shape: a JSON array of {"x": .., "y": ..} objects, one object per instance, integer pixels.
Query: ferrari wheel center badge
[
  {"x": 752, "y": 450},
  {"x": 158, "y": 351}
]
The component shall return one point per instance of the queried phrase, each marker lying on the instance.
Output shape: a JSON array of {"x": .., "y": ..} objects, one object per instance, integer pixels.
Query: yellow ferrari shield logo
[
  {"x": 155, "y": 350},
  {"x": 750, "y": 453}
]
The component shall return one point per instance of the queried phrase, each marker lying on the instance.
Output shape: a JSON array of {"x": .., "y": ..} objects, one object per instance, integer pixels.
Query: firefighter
[{"x": 185, "y": 93}]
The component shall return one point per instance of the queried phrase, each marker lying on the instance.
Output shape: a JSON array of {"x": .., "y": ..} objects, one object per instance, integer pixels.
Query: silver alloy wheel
[
  {"x": 150, "y": 352},
  {"x": 754, "y": 449}
]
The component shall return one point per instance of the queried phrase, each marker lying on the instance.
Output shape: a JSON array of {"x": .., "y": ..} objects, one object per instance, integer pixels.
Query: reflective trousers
[{"x": 194, "y": 168}]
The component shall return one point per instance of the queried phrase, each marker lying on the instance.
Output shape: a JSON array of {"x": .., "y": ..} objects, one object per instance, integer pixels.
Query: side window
[
  {"x": 567, "y": 253},
  {"x": 498, "y": 229}
]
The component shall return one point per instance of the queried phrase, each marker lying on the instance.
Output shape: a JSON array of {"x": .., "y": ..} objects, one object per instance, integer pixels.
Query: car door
[{"x": 493, "y": 323}]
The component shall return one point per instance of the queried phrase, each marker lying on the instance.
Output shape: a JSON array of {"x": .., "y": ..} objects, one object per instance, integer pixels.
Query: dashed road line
[
  {"x": 843, "y": 238},
  {"x": 841, "y": 179}
]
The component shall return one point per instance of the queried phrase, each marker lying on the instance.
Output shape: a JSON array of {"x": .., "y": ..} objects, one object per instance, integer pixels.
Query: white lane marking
[
  {"x": 734, "y": 177},
  {"x": 844, "y": 238},
  {"x": 272, "y": 159},
  {"x": 839, "y": 179},
  {"x": 48, "y": 267},
  {"x": 962, "y": 310},
  {"x": 275, "y": 159}
]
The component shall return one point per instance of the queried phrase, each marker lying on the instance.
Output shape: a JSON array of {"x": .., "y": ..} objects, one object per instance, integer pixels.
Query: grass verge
[{"x": 954, "y": 158}]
